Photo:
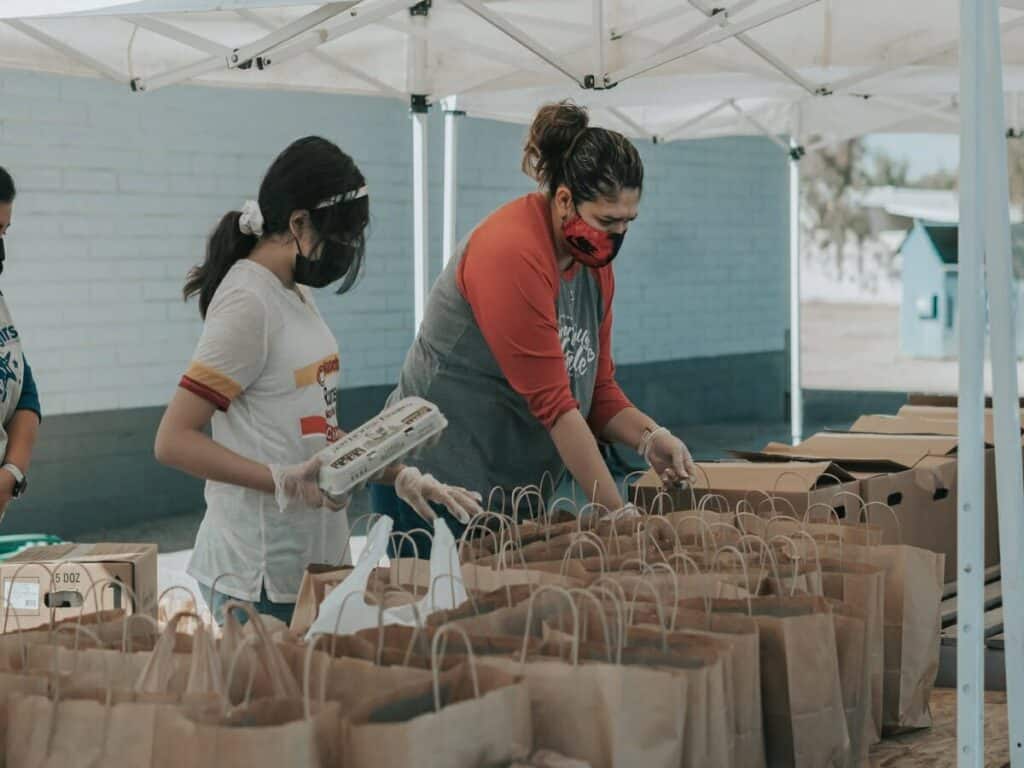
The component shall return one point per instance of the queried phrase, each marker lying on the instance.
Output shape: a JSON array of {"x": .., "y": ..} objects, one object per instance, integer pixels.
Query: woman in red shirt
[{"x": 515, "y": 346}]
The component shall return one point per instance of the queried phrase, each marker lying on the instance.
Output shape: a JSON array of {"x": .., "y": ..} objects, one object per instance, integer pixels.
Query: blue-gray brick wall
[{"x": 117, "y": 192}]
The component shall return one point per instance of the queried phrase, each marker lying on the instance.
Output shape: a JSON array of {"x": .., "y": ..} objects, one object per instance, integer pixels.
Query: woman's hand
[
  {"x": 299, "y": 484},
  {"x": 419, "y": 490},
  {"x": 669, "y": 457}
]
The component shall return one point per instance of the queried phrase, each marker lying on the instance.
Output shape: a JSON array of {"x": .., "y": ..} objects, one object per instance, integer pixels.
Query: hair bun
[{"x": 554, "y": 129}]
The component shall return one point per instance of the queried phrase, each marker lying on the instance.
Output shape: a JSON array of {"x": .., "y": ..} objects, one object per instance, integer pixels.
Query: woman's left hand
[
  {"x": 670, "y": 458},
  {"x": 419, "y": 491}
]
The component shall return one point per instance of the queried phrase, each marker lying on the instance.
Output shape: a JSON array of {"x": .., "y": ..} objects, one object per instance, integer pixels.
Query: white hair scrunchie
[{"x": 251, "y": 220}]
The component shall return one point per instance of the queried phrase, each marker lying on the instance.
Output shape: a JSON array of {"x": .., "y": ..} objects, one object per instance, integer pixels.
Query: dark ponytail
[
  {"x": 226, "y": 245},
  {"x": 308, "y": 173},
  {"x": 562, "y": 148}
]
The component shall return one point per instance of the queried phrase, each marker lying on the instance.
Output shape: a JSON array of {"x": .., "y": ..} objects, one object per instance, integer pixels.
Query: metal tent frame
[{"x": 590, "y": 63}]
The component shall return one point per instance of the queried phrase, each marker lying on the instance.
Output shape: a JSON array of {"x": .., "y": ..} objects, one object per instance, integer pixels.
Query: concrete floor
[{"x": 857, "y": 346}]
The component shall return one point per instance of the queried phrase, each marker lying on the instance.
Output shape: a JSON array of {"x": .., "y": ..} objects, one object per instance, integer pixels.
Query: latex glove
[
  {"x": 419, "y": 490},
  {"x": 669, "y": 457},
  {"x": 298, "y": 487}
]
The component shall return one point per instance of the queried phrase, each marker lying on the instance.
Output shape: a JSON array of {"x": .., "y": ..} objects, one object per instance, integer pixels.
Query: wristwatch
[{"x": 20, "y": 481}]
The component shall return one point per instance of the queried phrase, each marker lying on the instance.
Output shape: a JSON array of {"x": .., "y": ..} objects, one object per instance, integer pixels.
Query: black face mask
[
  {"x": 332, "y": 264},
  {"x": 2, "y": 255}
]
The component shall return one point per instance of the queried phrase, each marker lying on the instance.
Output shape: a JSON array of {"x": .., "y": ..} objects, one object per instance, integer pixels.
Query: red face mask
[{"x": 590, "y": 246}]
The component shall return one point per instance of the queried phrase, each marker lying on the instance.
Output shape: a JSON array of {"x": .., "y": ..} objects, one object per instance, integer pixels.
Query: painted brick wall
[{"x": 117, "y": 193}]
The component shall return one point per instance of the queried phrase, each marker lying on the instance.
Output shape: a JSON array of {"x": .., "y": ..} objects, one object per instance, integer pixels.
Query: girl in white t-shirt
[{"x": 265, "y": 374}]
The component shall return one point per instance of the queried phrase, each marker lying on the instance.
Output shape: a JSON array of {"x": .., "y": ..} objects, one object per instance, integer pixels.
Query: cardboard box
[
  {"x": 915, "y": 425},
  {"x": 916, "y": 475},
  {"x": 942, "y": 413},
  {"x": 56, "y": 582},
  {"x": 944, "y": 401},
  {"x": 802, "y": 484}
]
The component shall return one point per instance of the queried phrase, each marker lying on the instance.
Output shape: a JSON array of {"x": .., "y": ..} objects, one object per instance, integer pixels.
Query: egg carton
[{"x": 400, "y": 431}]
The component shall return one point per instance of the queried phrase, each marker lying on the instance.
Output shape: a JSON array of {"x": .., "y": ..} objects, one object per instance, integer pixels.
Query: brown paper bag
[
  {"x": 13, "y": 685},
  {"x": 741, "y": 633},
  {"x": 465, "y": 717},
  {"x": 804, "y": 716},
  {"x": 913, "y": 622},
  {"x": 604, "y": 714},
  {"x": 705, "y": 668},
  {"x": 266, "y": 733},
  {"x": 862, "y": 587}
]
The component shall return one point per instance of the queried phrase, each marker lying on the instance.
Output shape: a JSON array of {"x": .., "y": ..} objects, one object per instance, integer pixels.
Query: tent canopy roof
[{"x": 793, "y": 65}]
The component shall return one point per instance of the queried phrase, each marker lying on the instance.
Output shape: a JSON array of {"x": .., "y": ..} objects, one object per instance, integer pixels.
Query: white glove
[
  {"x": 297, "y": 487},
  {"x": 668, "y": 456},
  {"x": 419, "y": 490}
]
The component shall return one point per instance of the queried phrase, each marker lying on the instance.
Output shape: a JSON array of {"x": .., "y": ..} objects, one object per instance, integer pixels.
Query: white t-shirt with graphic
[{"x": 270, "y": 364}]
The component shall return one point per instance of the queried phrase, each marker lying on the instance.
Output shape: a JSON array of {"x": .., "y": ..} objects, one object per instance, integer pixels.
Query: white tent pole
[
  {"x": 759, "y": 50},
  {"x": 170, "y": 31},
  {"x": 418, "y": 84},
  {"x": 286, "y": 34},
  {"x": 527, "y": 41},
  {"x": 599, "y": 41},
  {"x": 638, "y": 130},
  {"x": 1009, "y": 471},
  {"x": 796, "y": 392},
  {"x": 970, "y": 468},
  {"x": 672, "y": 53},
  {"x": 421, "y": 241},
  {"x": 759, "y": 126},
  {"x": 619, "y": 32},
  {"x": 72, "y": 53},
  {"x": 320, "y": 56},
  {"x": 715, "y": 20},
  {"x": 897, "y": 63},
  {"x": 356, "y": 19},
  {"x": 695, "y": 120},
  {"x": 452, "y": 113},
  {"x": 922, "y": 109}
]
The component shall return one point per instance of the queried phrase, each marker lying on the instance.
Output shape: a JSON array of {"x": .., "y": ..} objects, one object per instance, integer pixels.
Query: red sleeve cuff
[
  {"x": 549, "y": 416},
  {"x": 208, "y": 394},
  {"x": 609, "y": 402}
]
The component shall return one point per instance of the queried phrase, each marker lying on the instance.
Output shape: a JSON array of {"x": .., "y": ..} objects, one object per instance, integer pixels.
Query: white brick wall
[{"x": 118, "y": 191}]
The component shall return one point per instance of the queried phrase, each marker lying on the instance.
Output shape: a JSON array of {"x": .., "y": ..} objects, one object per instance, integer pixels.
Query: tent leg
[
  {"x": 796, "y": 394},
  {"x": 451, "y": 175},
  {"x": 421, "y": 242},
  {"x": 1009, "y": 472},
  {"x": 971, "y": 468}
]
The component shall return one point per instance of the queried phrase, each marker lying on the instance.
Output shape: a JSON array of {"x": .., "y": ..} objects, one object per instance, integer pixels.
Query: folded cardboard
[
  {"x": 860, "y": 452},
  {"x": 916, "y": 475},
  {"x": 944, "y": 401},
  {"x": 801, "y": 484},
  {"x": 63, "y": 581},
  {"x": 946, "y": 413},
  {"x": 915, "y": 425}
]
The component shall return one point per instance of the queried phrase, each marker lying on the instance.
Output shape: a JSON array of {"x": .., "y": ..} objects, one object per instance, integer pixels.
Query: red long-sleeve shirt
[{"x": 509, "y": 275}]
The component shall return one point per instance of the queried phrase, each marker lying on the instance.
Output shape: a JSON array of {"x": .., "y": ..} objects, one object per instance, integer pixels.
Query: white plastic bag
[{"x": 345, "y": 610}]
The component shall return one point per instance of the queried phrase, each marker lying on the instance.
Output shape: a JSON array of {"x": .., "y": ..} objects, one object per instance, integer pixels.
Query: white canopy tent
[{"x": 656, "y": 68}]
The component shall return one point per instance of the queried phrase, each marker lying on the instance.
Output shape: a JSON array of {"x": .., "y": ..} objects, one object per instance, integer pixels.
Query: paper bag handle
[
  {"x": 578, "y": 542},
  {"x": 575, "y": 616},
  {"x": 585, "y": 594},
  {"x": 743, "y": 565},
  {"x": 437, "y": 657},
  {"x": 705, "y": 502},
  {"x": 104, "y": 583},
  {"x": 659, "y": 606},
  {"x": 866, "y": 511},
  {"x": 705, "y": 528}
]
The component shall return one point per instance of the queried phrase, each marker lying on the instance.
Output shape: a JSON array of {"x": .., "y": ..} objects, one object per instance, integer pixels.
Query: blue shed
[{"x": 928, "y": 312}]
